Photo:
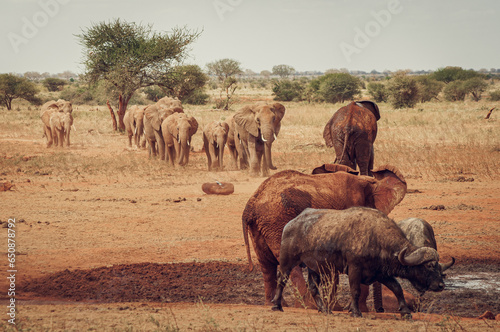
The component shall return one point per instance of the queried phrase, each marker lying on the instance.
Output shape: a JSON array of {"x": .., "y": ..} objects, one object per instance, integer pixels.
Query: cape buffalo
[{"x": 359, "y": 241}]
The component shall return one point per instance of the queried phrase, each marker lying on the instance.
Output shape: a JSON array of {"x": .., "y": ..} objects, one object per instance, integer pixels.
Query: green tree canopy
[
  {"x": 403, "y": 91},
  {"x": 54, "y": 84},
  {"x": 14, "y": 87},
  {"x": 183, "y": 81},
  {"x": 131, "y": 56},
  {"x": 225, "y": 71},
  {"x": 378, "y": 91},
  {"x": 283, "y": 71},
  {"x": 450, "y": 74},
  {"x": 336, "y": 87}
]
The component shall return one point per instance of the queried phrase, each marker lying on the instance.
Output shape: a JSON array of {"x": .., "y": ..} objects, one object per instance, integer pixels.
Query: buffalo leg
[
  {"x": 282, "y": 280},
  {"x": 355, "y": 287},
  {"x": 313, "y": 281},
  {"x": 395, "y": 287}
]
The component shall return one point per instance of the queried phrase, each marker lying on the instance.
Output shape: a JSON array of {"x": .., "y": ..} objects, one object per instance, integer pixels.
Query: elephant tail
[{"x": 247, "y": 245}]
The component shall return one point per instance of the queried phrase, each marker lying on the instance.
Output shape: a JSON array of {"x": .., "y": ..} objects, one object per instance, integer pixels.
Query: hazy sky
[{"x": 39, "y": 35}]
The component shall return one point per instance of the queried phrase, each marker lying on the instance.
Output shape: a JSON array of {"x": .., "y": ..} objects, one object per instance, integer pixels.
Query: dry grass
[{"x": 433, "y": 141}]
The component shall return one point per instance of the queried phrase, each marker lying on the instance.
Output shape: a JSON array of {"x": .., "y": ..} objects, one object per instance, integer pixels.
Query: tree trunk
[
  {"x": 122, "y": 107},
  {"x": 113, "y": 117}
]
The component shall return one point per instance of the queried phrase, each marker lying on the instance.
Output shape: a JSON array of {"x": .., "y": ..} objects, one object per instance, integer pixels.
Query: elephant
[
  {"x": 47, "y": 110},
  {"x": 60, "y": 127},
  {"x": 154, "y": 115},
  {"x": 134, "y": 124},
  {"x": 236, "y": 151},
  {"x": 258, "y": 126},
  {"x": 283, "y": 196},
  {"x": 214, "y": 142},
  {"x": 351, "y": 131},
  {"x": 177, "y": 130}
]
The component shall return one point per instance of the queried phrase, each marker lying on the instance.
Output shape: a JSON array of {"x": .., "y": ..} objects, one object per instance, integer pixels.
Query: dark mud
[{"x": 227, "y": 283}]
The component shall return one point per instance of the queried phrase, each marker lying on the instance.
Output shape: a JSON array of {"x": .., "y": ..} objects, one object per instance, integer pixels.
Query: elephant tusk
[
  {"x": 135, "y": 131},
  {"x": 74, "y": 128},
  {"x": 275, "y": 137},
  {"x": 188, "y": 143},
  {"x": 262, "y": 138}
]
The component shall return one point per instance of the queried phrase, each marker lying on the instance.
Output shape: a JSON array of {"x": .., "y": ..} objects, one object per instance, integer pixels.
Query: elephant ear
[
  {"x": 172, "y": 124},
  {"x": 333, "y": 168},
  {"x": 225, "y": 125},
  {"x": 151, "y": 113},
  {"x": 279, "y": 111},
  {"x": 371, "y": 106},
  {"x": 389, "y": 188},
  {"x": 245, "y": 118},
  {"x": 194, "y": 125},
  {"x": 327, "y": 133}
]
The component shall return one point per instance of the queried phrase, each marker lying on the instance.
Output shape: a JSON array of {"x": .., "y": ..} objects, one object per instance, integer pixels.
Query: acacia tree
[
  {"x": 130, "y": 56},
  {"x": 13, "y": 87},
  {"x": 283, "y": 71},
  {"x": 225, "y": 71}
]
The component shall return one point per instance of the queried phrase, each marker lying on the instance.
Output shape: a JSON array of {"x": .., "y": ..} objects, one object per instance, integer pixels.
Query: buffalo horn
[
  {"x": 420, "y": 256},
  {"x": 446, "y": 266}
]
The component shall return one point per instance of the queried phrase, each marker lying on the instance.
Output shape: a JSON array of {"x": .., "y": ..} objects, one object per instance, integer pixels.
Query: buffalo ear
[
  {"x": 333, "y": 168},
  {"x": 151, "y": 113},
  {"x": 371, "y": 106},
  {"x": 389, "y": 189},
  {"x": 245, "y": 118}
]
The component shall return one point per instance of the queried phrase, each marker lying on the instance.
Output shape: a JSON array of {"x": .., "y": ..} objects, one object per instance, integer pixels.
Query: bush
[
  {"x": 455, "y": 91},
  {"x": 450, "y": 74},
  {"x": 336, "y": 87},
  {"x": 428, "y": 88},
  {"x": 54, "y": 84},
  {"x": 286, "y": 90},
  {"x": 495, "y": 95},
  {"x": 475, "y": 86},
  {"x": 403, "y": 91},
  {"x": 154, "y": 93},
  {"x": 378, "y": 92},
  {"x": 197, "y": 97}
]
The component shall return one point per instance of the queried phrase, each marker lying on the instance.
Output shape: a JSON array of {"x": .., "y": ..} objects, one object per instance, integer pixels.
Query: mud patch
[{"x": 228, "y": 283}]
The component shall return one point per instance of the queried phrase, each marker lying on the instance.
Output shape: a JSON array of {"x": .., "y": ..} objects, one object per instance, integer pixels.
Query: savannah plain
[{"x": 109, "y": 240}]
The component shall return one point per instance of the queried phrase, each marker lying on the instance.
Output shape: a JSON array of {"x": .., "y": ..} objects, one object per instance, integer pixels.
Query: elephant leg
[
  {"x": 161, "y": 145},
  {"x": 260, "y": 163},
  {"x": 207, "y": 152},
  {"x": 48, "y": 134},
  {"x": 170, "y": 154},
  {"x": 363, "y": 150}
]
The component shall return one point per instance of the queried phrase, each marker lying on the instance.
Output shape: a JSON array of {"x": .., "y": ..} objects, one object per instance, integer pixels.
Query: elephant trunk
[
  {"x": 267, "y": 154},
  {"x": 184, "y": 146},
  {"x": 220, "y": 146}
]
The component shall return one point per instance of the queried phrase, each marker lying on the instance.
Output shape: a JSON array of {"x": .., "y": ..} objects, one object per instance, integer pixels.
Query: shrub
[
  {"x": 428, "y": 88},
  {"x": 54, "y": 84},
  {"x": 455, "y": 91},
  {"x": 378, "y": 91},
  {"x": 286, "y": 90},
  {"x": 495, "y": 95},
  {"x": 475, "y": 86},
  {"x": 403, "y": 91},
  {"x": 336, "y": 87},
  {"x": 197, "y": 97}
]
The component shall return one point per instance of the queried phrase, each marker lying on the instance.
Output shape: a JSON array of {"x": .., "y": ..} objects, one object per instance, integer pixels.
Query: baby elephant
[
  {"x": 214, "y": 140},
  {"x": 359, "y": 241}
]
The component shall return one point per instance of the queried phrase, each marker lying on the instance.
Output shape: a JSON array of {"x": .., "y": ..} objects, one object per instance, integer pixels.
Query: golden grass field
[{"x": 102, "y": 204}]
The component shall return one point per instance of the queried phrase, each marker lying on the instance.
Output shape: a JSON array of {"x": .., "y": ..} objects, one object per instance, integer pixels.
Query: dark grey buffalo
[{"x": 362, "y": 242}]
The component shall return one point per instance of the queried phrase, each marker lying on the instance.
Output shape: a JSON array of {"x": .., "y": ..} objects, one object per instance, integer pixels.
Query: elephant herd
[
  {"x": 248, "y": 134},
  {"x": 57, "y": 122}
]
